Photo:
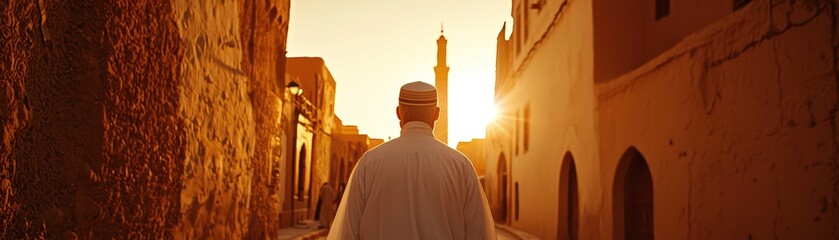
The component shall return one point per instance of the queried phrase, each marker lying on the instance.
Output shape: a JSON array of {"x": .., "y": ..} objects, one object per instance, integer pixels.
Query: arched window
[
  {"x": 568, "y": 199},
  {"x": 633, "y": 195},
  {"x": 502, "y": 189}
]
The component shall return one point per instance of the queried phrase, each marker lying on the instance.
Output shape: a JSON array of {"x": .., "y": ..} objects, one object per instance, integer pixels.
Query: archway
[
  {"x": 503, "y": 179},
  {"x": 334, "y": 171},
  {"x": 342, "y": 172},
  {"x": 301, "y": 172},
  {"x": 568, "y": 223},
  {"x": 633, "y": 197}
]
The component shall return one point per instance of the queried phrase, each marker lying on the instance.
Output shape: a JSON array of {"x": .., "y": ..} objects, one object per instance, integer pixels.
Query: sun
[
  {"x": 470, "y": 112},
  {"x": 487, "y": 115}
]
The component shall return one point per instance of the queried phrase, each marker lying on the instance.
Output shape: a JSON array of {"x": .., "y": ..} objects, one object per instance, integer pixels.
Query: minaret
[{"x": 441, "y": 81}]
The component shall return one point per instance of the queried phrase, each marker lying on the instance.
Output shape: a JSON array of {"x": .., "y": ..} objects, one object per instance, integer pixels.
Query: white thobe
[
  {"x": 413, "y": 187},
  {"x": 327, "y": 205}
]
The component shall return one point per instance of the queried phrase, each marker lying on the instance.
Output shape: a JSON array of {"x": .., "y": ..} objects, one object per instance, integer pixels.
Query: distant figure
[
  {"x": 326, "y": 206},
  {"x": 414, "y": 187},
  {"x": 341, "y": 188}
]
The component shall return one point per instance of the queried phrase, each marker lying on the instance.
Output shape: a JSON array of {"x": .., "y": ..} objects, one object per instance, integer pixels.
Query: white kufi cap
[{"x": 418, "y": 94}]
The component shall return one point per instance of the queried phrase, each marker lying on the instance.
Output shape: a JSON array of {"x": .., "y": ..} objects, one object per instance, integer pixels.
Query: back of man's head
[{"x": 418, "y": 102}]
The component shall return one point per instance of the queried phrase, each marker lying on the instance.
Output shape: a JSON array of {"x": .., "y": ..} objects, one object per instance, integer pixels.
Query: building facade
[
  {"x": 354, "y": 145},
  {"x": 313, "y": 149},
  {"x": 475, "y": 150},
  {"x": 667, "y": 119},
  {"x": 325, "y": 151}
]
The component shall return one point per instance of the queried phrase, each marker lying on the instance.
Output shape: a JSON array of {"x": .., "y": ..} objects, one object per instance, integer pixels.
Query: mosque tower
[{"x": 441, "y": 81}]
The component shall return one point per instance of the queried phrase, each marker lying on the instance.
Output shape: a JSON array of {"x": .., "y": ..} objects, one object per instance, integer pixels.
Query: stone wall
[
  {"x": 263, "y": 30},
  {"x": 738, "y": 126},
  {"x": 127, "y": 119}
]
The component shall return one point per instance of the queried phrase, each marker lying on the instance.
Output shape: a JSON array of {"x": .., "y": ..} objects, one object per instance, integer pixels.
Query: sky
[{"x": 373, "y": 47}]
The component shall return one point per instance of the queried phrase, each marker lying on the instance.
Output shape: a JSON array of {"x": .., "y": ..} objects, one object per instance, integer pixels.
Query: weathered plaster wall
[
  {"x": 126, "y": 119},
  {"x": 263, "y": 29},
  {"x": 217, "y": 178},
  {"x": 556, "y": 66},
  {"x": 737, "y": 122},
  {"x": 738, "y": 126},
  {"x": 628, "y": 34}
]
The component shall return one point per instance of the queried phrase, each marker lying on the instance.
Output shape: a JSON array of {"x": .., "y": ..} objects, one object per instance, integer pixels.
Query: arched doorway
[
  {"x": 333, "y": 170},
  {"x": 568, "y": 199},
  {"x": 633, "y": 195},
  {"x": 503, "y": 179},
  {"x": 301, "y": 172},
  {"x": 342, "y": 172}
]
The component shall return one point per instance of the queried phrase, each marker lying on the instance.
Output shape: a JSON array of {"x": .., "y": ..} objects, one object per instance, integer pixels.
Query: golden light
[
  {"x": 489, "y": 115},
  {"x": 479, "y": 116},
  {"x": 470, "y": 111}
]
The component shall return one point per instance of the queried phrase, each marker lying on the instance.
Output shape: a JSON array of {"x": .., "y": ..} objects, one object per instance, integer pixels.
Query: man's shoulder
[
  {"x": 399, "y": 147},
  {"x": 441, "y": 147},
  {"x": 379, "y": 150}
]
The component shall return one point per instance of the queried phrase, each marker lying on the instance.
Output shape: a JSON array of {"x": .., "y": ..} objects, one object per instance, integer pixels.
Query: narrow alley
[{"x": 601, "y": 119}]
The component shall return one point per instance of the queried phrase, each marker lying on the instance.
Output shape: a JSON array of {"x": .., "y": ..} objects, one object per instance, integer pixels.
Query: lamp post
[{"x": 295, "y": 90}]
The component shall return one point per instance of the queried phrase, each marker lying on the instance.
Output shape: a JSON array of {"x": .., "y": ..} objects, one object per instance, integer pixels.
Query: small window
[
  {"x": 738, "y": 4},
  {"x": 526, "y": 128},
  {"x": 518, "y": 132},
  {"x": 517, "y": 201},
  {"x": 662, "y": 9}
]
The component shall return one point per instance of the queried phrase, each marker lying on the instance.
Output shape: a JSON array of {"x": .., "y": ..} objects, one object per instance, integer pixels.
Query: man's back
[{"x": 414, "y": 187}]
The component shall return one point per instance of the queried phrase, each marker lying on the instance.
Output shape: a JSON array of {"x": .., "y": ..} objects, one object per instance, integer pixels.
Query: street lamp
[{"x": 294, "y": 88}]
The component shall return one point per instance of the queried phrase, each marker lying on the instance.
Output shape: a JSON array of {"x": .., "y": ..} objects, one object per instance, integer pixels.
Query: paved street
[
  {"x": 505, "y": 235},
  {"x": 305, "y": 232}
]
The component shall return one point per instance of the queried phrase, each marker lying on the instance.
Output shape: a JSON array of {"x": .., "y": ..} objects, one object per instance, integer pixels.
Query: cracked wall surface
[
  {"x": 138, "y": 119},
  {"x": 734, "y": 112},
  {"x": 737, "y": 124}
]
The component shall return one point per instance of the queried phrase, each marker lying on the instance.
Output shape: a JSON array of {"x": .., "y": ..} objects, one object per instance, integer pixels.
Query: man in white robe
[
  {"x": 414, "y": 187},
  {"x": 326, "y": 206}
]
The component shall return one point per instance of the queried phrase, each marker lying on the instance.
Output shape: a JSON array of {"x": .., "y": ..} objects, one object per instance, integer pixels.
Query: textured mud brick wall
[
  {"x": 264, "y": 26},
  {"x": 143, "y": 144},
  {"x": 17, "y": 40},
  {"x": 127, "y": 119},
  {"x": 92, "y": 139},
  {"x": 218, "y": 119},
  {"x": 738, "y": 126}
]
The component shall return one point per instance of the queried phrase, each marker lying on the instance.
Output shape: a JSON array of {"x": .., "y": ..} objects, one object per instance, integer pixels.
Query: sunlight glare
[{"x": 471, "y": 107}]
